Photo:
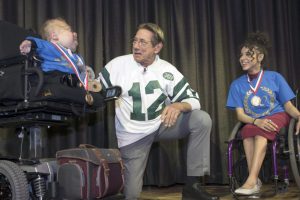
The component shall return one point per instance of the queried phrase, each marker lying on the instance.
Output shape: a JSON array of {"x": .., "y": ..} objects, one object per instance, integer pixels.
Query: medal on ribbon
[
  {"x": 89, "y": 98},
  {"x": 79, "y": 69},
  {"x": 256, "y": 100},
  {"x": 80, "y": 72}
]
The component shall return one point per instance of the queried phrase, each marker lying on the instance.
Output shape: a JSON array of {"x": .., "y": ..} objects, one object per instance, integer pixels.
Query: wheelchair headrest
[{"x": 9, "y": 47}]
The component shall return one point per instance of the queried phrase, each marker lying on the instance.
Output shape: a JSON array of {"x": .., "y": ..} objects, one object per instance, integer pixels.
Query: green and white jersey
[{"x": 145, "y": 93}]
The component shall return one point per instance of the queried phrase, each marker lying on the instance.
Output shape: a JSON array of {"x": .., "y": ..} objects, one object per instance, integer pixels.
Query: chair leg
[
  {"x": 286, "y": 178},
  {"x": 229, "y": 158},
  {"x": 286, "y": 175},
  {"x": 275, "y": 169},
  {"x": 232, "y": 181},
  {"x": 232, "y": 185}
]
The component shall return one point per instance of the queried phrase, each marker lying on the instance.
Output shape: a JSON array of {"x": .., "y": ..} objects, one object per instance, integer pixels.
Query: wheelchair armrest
[
  {"x": 18, "y": 59},
  {"x": 235, "y": 130},
  {"x": 34, "y": 68},
  {"x": 292, "y": 124},
  {"x": 40, "y": 75}
]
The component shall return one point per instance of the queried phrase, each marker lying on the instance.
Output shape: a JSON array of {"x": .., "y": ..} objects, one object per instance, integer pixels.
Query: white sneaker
[
  {"x": 259, "y": 183},
  {"x": 243, "y": 191}
]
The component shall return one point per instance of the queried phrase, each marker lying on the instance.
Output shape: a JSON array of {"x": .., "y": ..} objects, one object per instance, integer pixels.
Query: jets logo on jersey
[{"x": 169, "y": 76}]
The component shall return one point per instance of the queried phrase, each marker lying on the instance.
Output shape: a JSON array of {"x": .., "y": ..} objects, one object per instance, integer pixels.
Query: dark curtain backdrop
[{"x": 202, "y": 41}]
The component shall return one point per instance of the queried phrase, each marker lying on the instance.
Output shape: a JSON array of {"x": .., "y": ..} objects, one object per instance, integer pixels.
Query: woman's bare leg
[{"x": 259, "y": 152}]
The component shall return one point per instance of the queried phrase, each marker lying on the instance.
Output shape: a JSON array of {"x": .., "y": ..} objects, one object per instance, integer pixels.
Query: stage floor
[{"x": 174, "y": 193}]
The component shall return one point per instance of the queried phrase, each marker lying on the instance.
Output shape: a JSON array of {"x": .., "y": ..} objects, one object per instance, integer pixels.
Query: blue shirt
[
  {"x": 53, "y": 58},
  {"x": 273, "y": 93}
]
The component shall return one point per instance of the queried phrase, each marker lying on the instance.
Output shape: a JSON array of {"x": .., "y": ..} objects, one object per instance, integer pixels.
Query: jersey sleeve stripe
[
  {"x": 105, "y": 78},
  {"x": 178, "y": 88},
  {"x": 184, "y": 94}
]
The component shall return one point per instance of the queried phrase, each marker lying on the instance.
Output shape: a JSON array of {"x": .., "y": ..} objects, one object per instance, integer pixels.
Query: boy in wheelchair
[
  {"x": 262, "y": 101},
  {"x": 56, "y": 50}
]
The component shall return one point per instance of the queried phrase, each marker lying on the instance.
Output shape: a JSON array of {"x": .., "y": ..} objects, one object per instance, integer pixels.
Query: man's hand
[
  {"x": 25, "y": 47},
  {"x": 170, "y": 115}
]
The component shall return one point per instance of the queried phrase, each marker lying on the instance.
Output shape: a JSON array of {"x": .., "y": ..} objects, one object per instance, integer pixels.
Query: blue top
[
  {"x": 270, "y": 97},
  {"x": 53, "y": 58}
]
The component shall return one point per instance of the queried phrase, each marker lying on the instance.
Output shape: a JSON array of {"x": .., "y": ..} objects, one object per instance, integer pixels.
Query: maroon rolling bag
[{"x": 88, "y": 172}]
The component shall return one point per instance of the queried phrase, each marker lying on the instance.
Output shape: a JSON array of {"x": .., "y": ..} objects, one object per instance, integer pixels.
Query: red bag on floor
[{"x": 88, "y": 172}]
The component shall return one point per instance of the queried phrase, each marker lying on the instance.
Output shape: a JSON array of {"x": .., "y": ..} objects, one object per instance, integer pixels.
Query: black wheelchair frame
[{"x": 35, "y": 177}]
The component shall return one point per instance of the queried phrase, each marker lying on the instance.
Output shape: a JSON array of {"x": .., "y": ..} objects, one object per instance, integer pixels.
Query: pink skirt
[{"x": 281, "y": 119}]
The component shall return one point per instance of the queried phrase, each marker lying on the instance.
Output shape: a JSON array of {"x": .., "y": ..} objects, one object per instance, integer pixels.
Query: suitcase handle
[{"x": 87, "y": 146}]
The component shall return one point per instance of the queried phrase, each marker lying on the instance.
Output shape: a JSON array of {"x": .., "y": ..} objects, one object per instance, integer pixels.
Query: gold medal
[
  {"x": 255, "y": 100},
  {"x": 89, "y": 99},
  {"x": 94, "y": 86}
]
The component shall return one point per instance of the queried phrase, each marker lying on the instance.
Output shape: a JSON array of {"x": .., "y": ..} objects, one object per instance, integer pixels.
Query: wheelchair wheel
[
  {"x": 13, "y": 182},
  {"x": 240, "y": 168},
  {"x": 294, "y": 149}
]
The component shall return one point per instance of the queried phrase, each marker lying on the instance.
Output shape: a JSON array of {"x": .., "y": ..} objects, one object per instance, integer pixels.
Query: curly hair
[{"x": 258, "y": 41}]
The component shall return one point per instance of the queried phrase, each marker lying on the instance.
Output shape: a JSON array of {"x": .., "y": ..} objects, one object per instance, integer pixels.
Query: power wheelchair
[
  {"x": 283, "y": 154},
  {"x": 31, "y": 100}
]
